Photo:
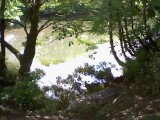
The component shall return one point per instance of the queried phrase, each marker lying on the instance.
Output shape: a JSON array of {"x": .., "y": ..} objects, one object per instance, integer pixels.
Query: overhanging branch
[
  {"x": 45, "y": 25},
  {"x": 14, "y": 51},
  {"x": 18, "y": 23}
]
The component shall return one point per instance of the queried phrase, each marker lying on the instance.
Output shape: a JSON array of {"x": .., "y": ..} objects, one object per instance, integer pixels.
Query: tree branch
[
  {"x": 45, "y": 25},
  {"x": 15, "y": 21},
  {"x": 19, "y": 23},
  {"x": 14, "y": 51}
]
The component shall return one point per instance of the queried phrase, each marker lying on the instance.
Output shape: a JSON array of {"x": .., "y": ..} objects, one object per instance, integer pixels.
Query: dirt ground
[
  {"x": 132, "y": 104},
  {"x": 11, "y": 115}
]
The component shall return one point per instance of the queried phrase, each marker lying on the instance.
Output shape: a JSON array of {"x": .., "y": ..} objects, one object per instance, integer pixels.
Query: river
[{"x": 103, "y": 54}]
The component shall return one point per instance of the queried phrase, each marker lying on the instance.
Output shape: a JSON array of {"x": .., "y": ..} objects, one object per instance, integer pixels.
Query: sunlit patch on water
[
  {"x": 52, "y": 71},
  {"x": 63, "y": 69},
  {"x": 10, "y": 38}
]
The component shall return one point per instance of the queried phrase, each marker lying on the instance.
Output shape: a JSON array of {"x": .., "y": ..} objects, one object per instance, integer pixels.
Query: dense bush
[
  {"x": 84, "y": 111},
  {"x": 25, "y": 94},
  {"x": 101, "y": 114},
  {"x": 144, "y": 69}
]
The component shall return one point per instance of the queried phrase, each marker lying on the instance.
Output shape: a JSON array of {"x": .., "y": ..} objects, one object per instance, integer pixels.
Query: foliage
[
  {"x": 94, "y": 87},
  {"x": 10, "y": 76},
  {"x": 83, "y": 39},
  {"x": 135, "y": 21},
  {"x": 13, "y": 11},
  {"x": 100, "y": 72},
  {"x": 63, "y": 26},
  {"x": 69, "y": 89},
  {"x": 85, "y": 111},
  {"x": 102, "y": 112},
  {"x": 131, "y": 21},
  {"x": 144, "y": 69},
  {"x": 65, "y": 29},
  {"x": 59, "y": 102},
  {"x": 26, "y": 94},
  {"x": 91, "y": 44},
  {"x": 71, "y": 8},
  {"x": 76, "y": 86}
]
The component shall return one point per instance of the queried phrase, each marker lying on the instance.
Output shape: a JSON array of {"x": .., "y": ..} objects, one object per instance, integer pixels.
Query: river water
[{"x": 103, "y": 54}]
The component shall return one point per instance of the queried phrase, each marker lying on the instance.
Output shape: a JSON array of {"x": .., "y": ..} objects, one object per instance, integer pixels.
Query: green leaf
[
  {"x": 98, "y": 21},
  {"x": 151, "y": 12},
  {"x": 114, "y": 3},
  {"x": 117, "y": 3},
  {"x": 133, "y": 10},
  {"x": 158, "y": 43},
  {"x": 156, "y": 28},
  {"x": 71, "y": 43},
  {"x": 155, "y": 2},
  {"x": 154, "y": 25}
]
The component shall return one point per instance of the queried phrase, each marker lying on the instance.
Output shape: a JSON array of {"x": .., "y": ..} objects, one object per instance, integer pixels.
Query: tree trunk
[
  {"x": 30, "y": 46},
  {"x": 111, "y": 36},
  {"x": 135, "y": 34},
  {"x": 2, "y": 29},
  {"x": 131, "y": 51},
  {"x": 28, "y": 55},
  {"x": 121, "y": 38}
]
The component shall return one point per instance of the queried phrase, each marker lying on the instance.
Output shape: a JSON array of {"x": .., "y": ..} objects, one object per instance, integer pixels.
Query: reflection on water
[
  {"x": 63, "y": 69},
  {"x": 10, "y": 38}
]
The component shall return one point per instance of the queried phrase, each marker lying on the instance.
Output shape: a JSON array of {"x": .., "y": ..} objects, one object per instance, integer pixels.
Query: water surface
[{"x": 73, "y": 56}]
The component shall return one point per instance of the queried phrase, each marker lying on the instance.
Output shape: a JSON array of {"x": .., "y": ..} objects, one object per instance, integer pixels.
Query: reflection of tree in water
[{"x": 75, "y": 86}]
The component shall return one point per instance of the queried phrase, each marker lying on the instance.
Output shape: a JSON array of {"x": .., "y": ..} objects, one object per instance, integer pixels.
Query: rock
[
  {"x": 103, "y": 96},
  {"x": 100, "y": 98}
]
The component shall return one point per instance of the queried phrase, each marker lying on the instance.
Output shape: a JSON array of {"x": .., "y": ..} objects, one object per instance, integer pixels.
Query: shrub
[
  {"x": 144, "y": 69},
  {"x": 101, "y": 114},
  {"x": 85, "y": 111},
  {"x": 61, "y": 97},
  {"x": 26, "y": 94}
]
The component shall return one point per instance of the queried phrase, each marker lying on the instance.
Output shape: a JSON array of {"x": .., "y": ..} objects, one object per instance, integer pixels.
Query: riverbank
[{"x": 132, "y": 103}]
